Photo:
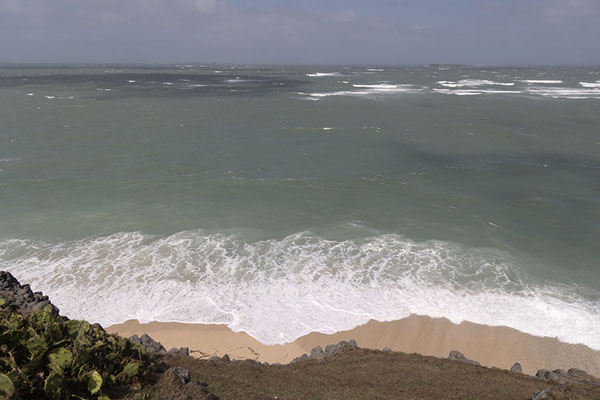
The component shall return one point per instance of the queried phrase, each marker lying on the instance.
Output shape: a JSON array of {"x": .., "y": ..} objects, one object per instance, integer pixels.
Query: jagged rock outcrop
[
  {"x": 154, "y": 347},
  {"x": 456, "y": 355},
  {"x": 151, "y": 345},
  {"x": 20, "y": 298},
  {"x": 318, "y": 353}
]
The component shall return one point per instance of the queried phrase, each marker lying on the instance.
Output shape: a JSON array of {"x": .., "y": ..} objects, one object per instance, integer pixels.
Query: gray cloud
[{"x": 493, "y": 31}]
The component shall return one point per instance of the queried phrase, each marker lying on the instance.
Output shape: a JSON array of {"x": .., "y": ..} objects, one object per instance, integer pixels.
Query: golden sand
[{"x": 491, "y": 346}]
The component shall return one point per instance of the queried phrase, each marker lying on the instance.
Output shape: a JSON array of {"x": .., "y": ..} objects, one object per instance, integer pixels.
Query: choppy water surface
[{"x": 283, "y": 200}]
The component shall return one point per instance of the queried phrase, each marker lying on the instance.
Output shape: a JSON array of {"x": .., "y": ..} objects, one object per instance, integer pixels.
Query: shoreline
[{"x": 491, "y": 346}]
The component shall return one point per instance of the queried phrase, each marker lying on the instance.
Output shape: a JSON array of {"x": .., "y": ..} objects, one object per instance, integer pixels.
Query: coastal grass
[{"x": 357, "y": 374}]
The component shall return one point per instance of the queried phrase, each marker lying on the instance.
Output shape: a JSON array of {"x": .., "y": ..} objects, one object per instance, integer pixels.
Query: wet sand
[{"x": 491, "y": 346}]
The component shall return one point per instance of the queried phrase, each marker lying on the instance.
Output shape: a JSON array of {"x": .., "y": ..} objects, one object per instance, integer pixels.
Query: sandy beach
[{"x": 491, "y": 346}]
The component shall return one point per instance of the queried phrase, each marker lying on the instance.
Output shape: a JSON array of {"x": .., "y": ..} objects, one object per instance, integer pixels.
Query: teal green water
[{"x": 280, "y": 200}]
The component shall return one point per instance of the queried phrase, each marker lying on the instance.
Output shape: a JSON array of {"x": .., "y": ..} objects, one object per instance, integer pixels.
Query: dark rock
[
  {"x": 387, "y": 349},
  {"x": 19, "y": 298},
  {"x": 135, "y": 339},
  {"x": 151, "y": 345},
  {"x": 226, "y": 358},
  {"x": 182, "y": 374},
  {"x": 560, "y": 372},
  {"x": 99, "y": 327},
  {"x": 214, "y": 358},
  {"x": 516, "y": 368},
  {"x": 182, "y": 351},
  {"x": 456, "y": 355}
]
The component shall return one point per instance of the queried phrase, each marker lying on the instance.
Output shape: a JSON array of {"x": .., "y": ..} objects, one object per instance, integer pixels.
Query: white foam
[
  {"x": 474, "y": 83},
  {"x": 130, "y": 81},
  {"x": 29, "y": 94},
  {"x": 541, "y": 81},
  {"x": 459, "y": 92},
  {"x": 375, "y": 69},
  {"x": 321, "y": 74},
  {"x": 278, "y": 290},
  {"x": 371, "y": 91},
  {"x": 379, "y": 86},
  {"x": 590, "y": 84},
  {"x": 50, "y": 97},
  {"x": 565, "y": 93}
]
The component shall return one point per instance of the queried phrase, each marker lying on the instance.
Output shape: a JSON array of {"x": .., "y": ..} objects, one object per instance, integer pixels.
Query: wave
[
  {"x": 321, "y": 74},
  {"x": 541, "y": 81},
  {"x": 590, "y": 84},
  {"x": 370, "y": 90},
  {"x": 278, "y": 290},
  {"x": 474, "y": 83},
  {"x": 475, "y": 92}
]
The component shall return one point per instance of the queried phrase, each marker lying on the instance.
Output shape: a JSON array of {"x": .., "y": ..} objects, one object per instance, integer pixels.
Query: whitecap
[
  {"x": 474, "y": 83},
  {"x": 321, "y": 74},
  {"x": 541, "y": 81},
  {"x": 590, "y": 84}
]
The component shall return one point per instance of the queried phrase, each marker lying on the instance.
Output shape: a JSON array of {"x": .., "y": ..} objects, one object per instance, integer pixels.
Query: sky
[{"x": 376, "y": 32}]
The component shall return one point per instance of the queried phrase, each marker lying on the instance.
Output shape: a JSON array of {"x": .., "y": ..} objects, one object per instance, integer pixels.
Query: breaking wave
[{"x": 277, "y": 290}]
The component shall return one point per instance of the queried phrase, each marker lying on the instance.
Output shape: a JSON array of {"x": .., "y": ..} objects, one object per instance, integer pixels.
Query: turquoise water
[{"x": 282, "y": 199}]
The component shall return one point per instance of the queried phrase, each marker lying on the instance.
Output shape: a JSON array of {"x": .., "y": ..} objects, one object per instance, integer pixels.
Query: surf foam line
[{"x": 279, "y": 290}]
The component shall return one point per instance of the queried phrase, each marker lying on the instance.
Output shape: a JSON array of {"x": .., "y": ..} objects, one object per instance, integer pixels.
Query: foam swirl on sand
[{"x": 278, "y": 290}]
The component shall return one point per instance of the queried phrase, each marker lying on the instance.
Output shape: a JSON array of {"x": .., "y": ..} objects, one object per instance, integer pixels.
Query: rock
[
  {"x": 182, "y": 374},
  {"x": 334, "y": 348},
  {"x": 387, "y": 349},
  {"x": 554, "y": 377},
  {"x": 542, "y": 373},
  {"x": 516, "y": 368},
  {"x": 575, "y": 372},
  {"x": 575, "y": 375},
  {"x": 20, "y": 299},
  {"x": 330, "y": 349},
  {"x": 214, "y": 358},
  {"x": 151, "y": 345},
  {"x": 303, "y": 357},
  {"x": 542, "y": 394},
  {"x": 456, "y": 355},
  {"x": 226, "y": 358},
  {"x": 182, "y": 351},
  {"x": 317, "y": 352}
]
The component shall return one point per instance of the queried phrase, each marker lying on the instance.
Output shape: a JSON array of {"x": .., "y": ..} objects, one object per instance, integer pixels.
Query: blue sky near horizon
[{"x": 310, "y": 31}]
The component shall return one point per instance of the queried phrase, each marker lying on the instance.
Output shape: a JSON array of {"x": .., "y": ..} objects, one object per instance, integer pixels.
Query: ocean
[{"x": 281, "y": 200}]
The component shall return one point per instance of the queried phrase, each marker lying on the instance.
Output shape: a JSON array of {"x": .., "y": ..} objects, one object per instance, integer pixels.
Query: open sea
[{"x": 281, "y": 200}]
